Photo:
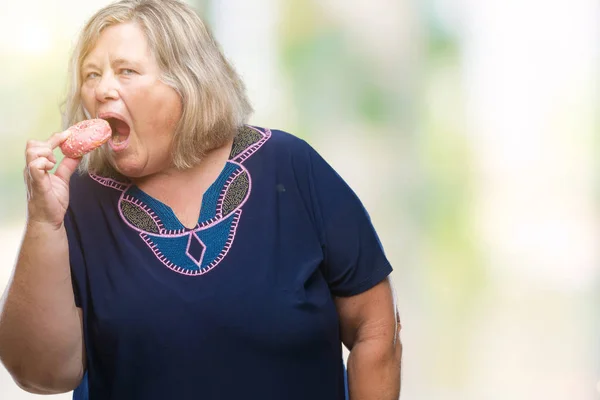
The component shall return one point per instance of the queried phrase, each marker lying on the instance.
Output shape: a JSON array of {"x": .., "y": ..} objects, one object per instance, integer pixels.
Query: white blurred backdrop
[{"x": 468, "y": 128}]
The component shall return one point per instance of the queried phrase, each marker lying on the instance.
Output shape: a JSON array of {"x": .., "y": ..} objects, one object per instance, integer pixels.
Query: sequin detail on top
[
  {"x": 246, "y": 138},
  {"x": 138, "y": 217},
  {"x": 194, "y": 252},
  {"x": 236, "y": 193}
]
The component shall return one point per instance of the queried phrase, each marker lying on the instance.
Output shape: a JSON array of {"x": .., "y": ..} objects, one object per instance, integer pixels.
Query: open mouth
[{"x": 120, "y": 133}]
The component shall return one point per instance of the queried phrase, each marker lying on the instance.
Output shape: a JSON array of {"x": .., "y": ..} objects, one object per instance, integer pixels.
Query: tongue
[{"x": 119, "y": 127}]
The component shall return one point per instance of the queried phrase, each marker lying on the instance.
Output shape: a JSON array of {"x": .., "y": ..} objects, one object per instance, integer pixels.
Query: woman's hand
[{"x": 47, "y": 193}]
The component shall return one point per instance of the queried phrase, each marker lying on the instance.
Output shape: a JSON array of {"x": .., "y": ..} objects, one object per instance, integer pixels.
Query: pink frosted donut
[{"x": 85, "y": 137}]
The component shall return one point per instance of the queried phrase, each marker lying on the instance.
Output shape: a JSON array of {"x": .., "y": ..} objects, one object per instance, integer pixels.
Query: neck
[{"x": 213, "y": 160}]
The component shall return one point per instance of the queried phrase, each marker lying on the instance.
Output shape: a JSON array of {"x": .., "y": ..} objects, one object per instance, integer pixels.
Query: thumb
[{"x": 66, "y": 168}]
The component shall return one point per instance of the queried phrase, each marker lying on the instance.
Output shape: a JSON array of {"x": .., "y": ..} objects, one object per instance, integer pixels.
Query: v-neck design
[
  {"x": 207, "y": 207},
  {"x": 194, "y": 251},
  {"x": 207, "y": 197}
]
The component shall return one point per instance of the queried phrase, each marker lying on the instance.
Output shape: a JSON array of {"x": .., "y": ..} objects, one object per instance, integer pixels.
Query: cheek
[
  {"x": 87, "y": 99},
  {"x": 163, "y": 117},
  {"x": 168, "y": 105}
]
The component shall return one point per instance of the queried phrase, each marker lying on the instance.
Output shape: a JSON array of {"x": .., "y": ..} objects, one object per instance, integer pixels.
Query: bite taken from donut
[{"x": 86, "y": 136}]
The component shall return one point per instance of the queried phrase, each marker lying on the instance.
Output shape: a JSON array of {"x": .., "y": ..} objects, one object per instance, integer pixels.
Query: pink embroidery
[
  {"x": 193, "y": 237},
  {"x": 266, "y": 135},
  {"x": 243, "y": 170},
  {"x": 146, "y": 236},
  {"x": 144, "y": 207},
  {"x": 214, "y": 263},
  {"x": 109, "y": 182},
  {"x": 228, "y": 243}
]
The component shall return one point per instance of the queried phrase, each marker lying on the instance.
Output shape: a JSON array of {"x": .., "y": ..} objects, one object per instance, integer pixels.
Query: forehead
[{"x": 123, "y": 41}]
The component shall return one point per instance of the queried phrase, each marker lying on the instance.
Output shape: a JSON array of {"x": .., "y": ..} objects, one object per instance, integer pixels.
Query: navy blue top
[{"x": 239, "y": 307}]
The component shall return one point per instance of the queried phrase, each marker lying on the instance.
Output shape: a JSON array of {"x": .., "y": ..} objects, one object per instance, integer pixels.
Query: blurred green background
[{"x": 468, "y": 128}]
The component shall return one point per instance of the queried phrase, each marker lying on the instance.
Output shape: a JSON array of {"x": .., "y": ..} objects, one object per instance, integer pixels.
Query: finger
[
  {"x": 33, "y": 153},
  {"x": 59, "y": 137},
  {"x": 66, "y": 168},
  {"x": 27, "y": 178},
  {"x": 36, "y": 143},
  {"x": 38, "y": 168}
]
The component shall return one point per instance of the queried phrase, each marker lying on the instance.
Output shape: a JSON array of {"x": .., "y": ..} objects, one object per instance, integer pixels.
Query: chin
[{"x": 128, "y": 167}]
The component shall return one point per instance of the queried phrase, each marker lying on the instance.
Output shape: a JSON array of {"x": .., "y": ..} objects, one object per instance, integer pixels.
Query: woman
[{"x": 193, "y": 256}]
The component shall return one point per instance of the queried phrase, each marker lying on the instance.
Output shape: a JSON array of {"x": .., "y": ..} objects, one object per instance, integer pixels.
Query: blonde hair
[{"x": 214, "y": 102}]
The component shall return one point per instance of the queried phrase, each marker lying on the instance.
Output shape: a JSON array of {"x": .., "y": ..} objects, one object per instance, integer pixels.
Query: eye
[
  {"x": 127, "y": 71},
  {"x": 91, "y": 75}
]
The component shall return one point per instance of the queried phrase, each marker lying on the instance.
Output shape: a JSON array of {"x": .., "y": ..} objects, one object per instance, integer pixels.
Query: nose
[{"x": 107, "y": 89}]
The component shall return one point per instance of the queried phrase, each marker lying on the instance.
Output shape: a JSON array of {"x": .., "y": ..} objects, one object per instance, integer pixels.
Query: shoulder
[
  {"x": 282, "y": 144},
  {"x": 285, "y": 139},
  {"x": 80, "y": 182},
  {"x": 287, "y": 150},
  {"x": 276, "y": 139},
  {"x": 86, "y": 189}
]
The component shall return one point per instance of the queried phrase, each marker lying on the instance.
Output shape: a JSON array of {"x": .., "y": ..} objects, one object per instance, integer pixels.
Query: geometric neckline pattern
[{"x": 195, "y": 251}]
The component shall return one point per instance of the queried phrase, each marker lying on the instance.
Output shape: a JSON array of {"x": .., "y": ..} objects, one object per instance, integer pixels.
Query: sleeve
[
  {"x": 354, "y": 257},
  {"x": 76, "y": 259}
]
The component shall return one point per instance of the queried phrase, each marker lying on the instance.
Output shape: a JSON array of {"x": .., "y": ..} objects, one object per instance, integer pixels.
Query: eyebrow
[{"x": 116, "y": 62}]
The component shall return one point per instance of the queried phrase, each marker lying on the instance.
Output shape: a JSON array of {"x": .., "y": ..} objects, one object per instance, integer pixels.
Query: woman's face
[{"x": 120, "y": 83}]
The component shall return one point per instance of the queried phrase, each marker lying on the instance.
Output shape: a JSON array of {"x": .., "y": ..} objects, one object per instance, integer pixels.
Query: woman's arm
[
  {"x": 370, "y": 329},
  {"x": 41, "y": 339}
]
